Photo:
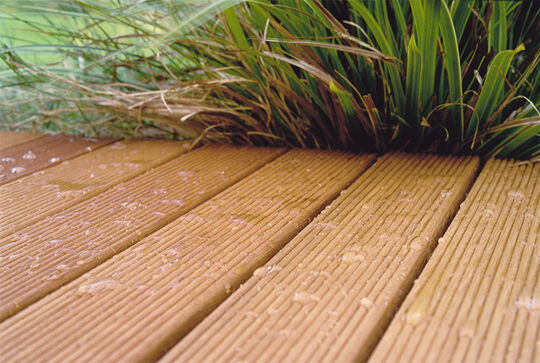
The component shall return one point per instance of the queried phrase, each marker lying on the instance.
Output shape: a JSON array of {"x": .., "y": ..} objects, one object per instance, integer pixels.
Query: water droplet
[
  {"x": 271, "y": 268},
  {"x": 177, "y": 202},
  {"x": 7, "y": 160},
  {"x": 158, "y": 191},
  {"x": 365, "y": 302},
  {"x": 467, "y": 329},
  {"x": 51, "y": 277},
  {"x": 260, "y": 272},
  {"x": 529, "y": 302},
  {"x": 54, "y": 242},
  {"x": 29, "y": 155},
  {"x": 419, "y": 308},
  {"x": 515, "y": 194},
  {"x": 304, "y": 298},
  {"x": 228, "y": 288},
  {"x": 123, "y": 223},
  {"x": 446, "y": 194},
  {"x": 350, "y": 257},
  {"x": 96, "y": 287},
  {"x": 17, "y": 170},
  {"x": 185, "y": 175},
  {"x": 418, "y": 243},
  {"x": 414, "y": 317},
  {"x": 131, "y": 206},
  {"x": 54, "y": 160},
  {"x": 62, "y": 267},
  {"x": 117, "y": 146}
]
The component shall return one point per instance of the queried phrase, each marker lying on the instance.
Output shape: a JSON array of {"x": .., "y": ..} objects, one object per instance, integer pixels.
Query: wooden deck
[{"x": 143, "y": 250}]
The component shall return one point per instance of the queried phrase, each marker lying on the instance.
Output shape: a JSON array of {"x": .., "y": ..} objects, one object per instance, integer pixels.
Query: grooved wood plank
[
  {"x": 330, "y": 292},
  {"x": 33, "y": 197},
  {"x": 44, "y": 256},
  {"x": 140, "y": 302},
  {"x": 44, "y": 152},
  {"x": 478, "y": 299},
  {"x": 9, "y": 139}
]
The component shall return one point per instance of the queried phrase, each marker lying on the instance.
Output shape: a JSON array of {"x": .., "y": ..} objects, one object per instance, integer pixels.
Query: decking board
[
  {"x": 9, "y": 139},
  {"x": 115, "y": 219},
  {"x": 478, "y": 299},
  {"x": 33, "y": 197},
  {"x": 141, "y": 273},
  {"x": 44, "y": 152},
  {"x": 328, "y": 294},
  {"x": 150, "y": 295}
]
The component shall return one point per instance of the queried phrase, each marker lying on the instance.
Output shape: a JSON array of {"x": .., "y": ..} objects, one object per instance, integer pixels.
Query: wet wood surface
[
  {"x": 142, "y": 250},
  {"x": 43, "y": 152},
  {"x": 10, "y": 139}
]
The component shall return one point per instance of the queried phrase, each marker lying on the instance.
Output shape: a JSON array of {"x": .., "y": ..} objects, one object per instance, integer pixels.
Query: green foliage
[{"x": 450, "y": 76}]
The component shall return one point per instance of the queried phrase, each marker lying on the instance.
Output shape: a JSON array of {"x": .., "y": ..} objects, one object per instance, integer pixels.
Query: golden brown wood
[
  {"x": 33, "y": 197},
  {"x": 478, "y": 299},
  {"x": 9, "y": 139},
  {"x": 42, "y": 153},
  {"x": 328, "y": 294},
  {"x": 137, "y": 304},
  {"x": 46, "y": 255}
]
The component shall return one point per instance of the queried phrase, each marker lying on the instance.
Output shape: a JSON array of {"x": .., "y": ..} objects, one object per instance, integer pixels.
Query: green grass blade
[
  {"x": 414, "y": 75},
  {"x": 428, "y": 49},
  {"x": 460, "y": 16},
  {"x": 497, "y": 27},
  {"x": 385, "y": 46},
  {"x": 418, "y": 19},
  {"x": 453, "y": 66},
  {"x": 492, "y": 89}
]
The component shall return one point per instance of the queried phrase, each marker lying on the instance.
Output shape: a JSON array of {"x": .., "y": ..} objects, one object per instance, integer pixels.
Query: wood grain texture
[
  {"x": 329, "y": 294},
  {"x": 139, "y": 303},
  {"x": 478, "y": 299},
  {"x": 49, "y": 253},
  {"x": 9, "y": 139},
  {"x": 33, "y": 197},
  {"x": 42, "y": 153}
]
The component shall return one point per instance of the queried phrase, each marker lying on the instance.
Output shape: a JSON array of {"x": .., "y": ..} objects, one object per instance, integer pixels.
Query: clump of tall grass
[{"x": 444, "y": 76}]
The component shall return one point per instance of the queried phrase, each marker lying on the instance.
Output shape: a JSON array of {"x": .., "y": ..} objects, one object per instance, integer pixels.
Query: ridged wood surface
[
  {"x": 478, "y": 299},
  {"x": 134, "y": 306},
  {"x": 45, "y": 255},
  {"x": 42, "y": 153},
  {"x": 9, "y": 139},
  {"x": 100, "y": 262},
  {"x": 328, "y": 295},
  {"x": 33, "y": 197}
]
